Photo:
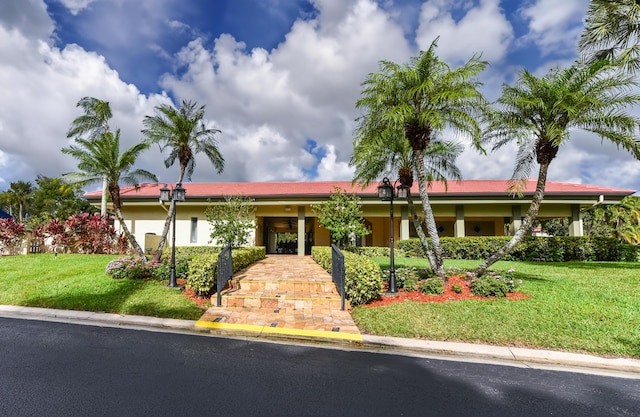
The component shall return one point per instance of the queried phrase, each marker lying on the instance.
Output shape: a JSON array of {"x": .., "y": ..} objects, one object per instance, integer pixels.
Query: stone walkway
[{"x": 282, "y": 295}]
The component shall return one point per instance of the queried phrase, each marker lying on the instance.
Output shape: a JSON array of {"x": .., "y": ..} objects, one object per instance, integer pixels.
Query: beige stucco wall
[{"x": 148, "y": 217}]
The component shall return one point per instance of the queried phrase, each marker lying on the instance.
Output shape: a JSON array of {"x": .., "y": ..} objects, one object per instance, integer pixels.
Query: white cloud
[
  {"x": 305, "y": 89},
  {"x": 483, "y": 29},
  {"x": 286, "y": 113},
  {"x": 554, "y": 26},
  {"x": 331, "y": 168},
  {"x": 75, "y": 6},
  {"x": 46, "y": 83}
]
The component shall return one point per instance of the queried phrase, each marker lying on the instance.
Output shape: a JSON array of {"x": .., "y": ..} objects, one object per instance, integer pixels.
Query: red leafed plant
[
  {"x": 83, "y": 233},
  {"x": 11, "y": 236}
]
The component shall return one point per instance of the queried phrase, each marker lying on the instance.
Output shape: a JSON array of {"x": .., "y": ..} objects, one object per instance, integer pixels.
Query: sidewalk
[{"x": 542, "y": 359}]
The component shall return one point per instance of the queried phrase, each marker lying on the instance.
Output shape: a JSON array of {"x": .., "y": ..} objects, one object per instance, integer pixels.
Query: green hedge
[
  {"x": 532, "y": 248},
  {"x": 371, "y": 251},
  {"x": 203, "y": 267},
  {"x": 190, "y": 251},
  {"x": 362, "y": 276}
]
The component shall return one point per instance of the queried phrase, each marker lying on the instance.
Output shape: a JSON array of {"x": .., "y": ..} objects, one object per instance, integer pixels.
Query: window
[{"x": 194, "y": 230}]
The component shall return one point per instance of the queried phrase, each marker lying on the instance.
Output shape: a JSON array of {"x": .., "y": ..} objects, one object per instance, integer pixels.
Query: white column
[
  {"x": 458, "y": 228},
  {"x": 575, "y": 227},
  {"x": 516, "y": 217},
  {"x": 404, "y": 223},
  {"x": 301, "y": 231}
]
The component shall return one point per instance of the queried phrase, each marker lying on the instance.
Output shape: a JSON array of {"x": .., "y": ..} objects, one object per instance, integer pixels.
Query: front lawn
[
  {"x": 79, "y": 282},
  {"x": 576, "y": 306}
]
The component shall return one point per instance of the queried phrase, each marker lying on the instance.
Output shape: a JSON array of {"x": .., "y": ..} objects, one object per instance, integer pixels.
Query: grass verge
[
  {"x": 79, "y": 282},
  {"x": 591, "y": 307}
]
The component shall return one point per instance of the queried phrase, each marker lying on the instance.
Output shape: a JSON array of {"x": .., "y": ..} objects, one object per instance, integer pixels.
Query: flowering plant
[{"x": 495, "y": 284}]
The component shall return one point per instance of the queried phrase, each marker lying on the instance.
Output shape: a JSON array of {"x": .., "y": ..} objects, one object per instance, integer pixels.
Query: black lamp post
[
  {"x": 387, "y": 192},
  {"x": 174, "y": 195}
]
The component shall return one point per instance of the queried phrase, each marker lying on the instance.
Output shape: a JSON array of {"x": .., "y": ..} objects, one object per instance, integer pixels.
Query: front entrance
[{"x": 281, "y": 235}]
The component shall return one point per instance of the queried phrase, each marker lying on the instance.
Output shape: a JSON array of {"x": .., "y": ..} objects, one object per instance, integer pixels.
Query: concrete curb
[
  {"x": 527, "y": 357},
  {"x": 88, "y": 317},
  {"x": 629, "y": 368}
]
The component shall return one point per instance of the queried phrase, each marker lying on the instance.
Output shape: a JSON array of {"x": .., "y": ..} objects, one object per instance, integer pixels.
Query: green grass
[
  {"x": 576, "y": 306},
  {"x": 79, "y": 282}
]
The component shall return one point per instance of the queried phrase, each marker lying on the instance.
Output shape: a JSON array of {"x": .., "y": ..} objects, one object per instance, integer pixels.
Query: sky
[{"x": 279, "y": 78}]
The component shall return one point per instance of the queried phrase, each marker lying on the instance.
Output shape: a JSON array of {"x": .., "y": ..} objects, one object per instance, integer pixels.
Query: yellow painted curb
[{"x": 279, "y": 330}]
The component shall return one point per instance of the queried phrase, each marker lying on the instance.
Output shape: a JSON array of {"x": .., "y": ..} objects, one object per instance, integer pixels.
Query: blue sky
[{"x": 279, "y": 78}]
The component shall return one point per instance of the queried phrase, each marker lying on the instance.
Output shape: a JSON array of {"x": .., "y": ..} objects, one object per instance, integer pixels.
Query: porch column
[
  {"x": 575, "y": 227},
  {"x": 458, "y": 228},
  {"x": 301, "y": 230},
  {"x": 404, "y": 223},
  {"x": 516, "y": 219}
]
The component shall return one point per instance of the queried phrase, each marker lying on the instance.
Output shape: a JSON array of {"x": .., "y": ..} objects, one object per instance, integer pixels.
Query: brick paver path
[{"x": 282, "y": 294}]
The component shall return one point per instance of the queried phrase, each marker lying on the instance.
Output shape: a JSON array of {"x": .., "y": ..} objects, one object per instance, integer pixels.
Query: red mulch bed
[
  {"x": 202, "y": 302},
  {"x": 448, "y": 295}
]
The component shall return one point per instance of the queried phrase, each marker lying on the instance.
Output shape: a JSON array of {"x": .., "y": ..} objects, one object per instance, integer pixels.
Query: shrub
[
  {"x": 431, "y": 286},
  {"x": 134, "y": 267},
  {"x": 130, "y": 267},
  {"x": 83, "y": 233},
  {"x": 363, "y": 277},
  {"x": 493, "y": 284},
  {"x": 405, "y": 277},
  {"x": 12, "y": 234},
  {"x": 532, "y": 248},
  {"x": 456, "y": 288},
  {"x": 203, "y": 268},
  {"x": 371, "y": 251}
]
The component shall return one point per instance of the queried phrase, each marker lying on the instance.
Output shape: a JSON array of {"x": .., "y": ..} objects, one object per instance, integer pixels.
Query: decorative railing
[
  {"x": 337, "y": 271},
  {"x": 225, "y": 270}
]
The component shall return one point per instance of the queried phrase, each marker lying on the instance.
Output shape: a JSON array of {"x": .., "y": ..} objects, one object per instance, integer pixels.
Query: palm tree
[
  {"x": 612, "y": 32},
  {"x": 183, "y": 134},
  {"x": 100, "y": 158},
  {"x": 93, "y": 123},
  {"x": 20, "y": 193},
  {"x": 539, "y": 114},
  {"x": 418, "y": 102},
  {"x": 373, "y": 157}
]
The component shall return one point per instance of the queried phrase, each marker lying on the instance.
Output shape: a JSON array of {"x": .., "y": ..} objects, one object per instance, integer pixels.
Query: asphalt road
[{"x": 55, "y": 369}]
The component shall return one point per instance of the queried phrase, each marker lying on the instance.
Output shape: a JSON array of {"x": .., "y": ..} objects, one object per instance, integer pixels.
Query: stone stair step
[
  {"x": 253, "y": 285},
  {"x": 280, "y": 301}
]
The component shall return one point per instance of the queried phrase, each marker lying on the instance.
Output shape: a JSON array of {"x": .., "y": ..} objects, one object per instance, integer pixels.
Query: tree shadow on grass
[{"x": 115, "y": 300}]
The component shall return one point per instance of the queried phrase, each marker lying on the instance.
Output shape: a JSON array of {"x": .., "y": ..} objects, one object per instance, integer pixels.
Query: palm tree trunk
[
  {"x": 131, "y": 238},
  {"x": 420, "y": 231},
  {"x": 430, "y": 222},
  {"x": 526, "y": 226},
  {"x": 165, "y": 231},
  {"x": 167, "y": 223}
]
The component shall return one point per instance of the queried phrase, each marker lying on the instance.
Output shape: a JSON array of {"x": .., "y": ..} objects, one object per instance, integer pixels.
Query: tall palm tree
[
  {"x": 375, "y": 156},
  {"x": 419, "y": 101},
  {"x": 93, "y": 123},
  {"x": 612, "y": 32},
  {"x": 539, "y": 114},
  {"x": 183, "y": 134},
  {"x": 100, "y": 158}
]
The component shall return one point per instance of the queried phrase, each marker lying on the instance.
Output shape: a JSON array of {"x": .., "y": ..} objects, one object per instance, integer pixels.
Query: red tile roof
[{"x": 466, "y": 188}]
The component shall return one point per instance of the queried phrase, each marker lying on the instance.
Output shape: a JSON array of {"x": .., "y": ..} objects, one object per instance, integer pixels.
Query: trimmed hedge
[
  {"x": 190, "y": 251},
  {"x": 203, "y": 268},
  {"x": 371, "y": 251},
  {"x": 362, "y": 276},
  {"x": 532, "y": 248}
]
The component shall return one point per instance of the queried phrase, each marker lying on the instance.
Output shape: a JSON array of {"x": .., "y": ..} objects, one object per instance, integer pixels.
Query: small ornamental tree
[
  {"x": 233, "y": 221},
  {"x": 11, "y": 236},
  {"x": 342, "y": 216}
]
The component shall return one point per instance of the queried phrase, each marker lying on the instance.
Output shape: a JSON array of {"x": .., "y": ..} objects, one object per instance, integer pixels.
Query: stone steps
[{"x": 280, "y": 294}]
